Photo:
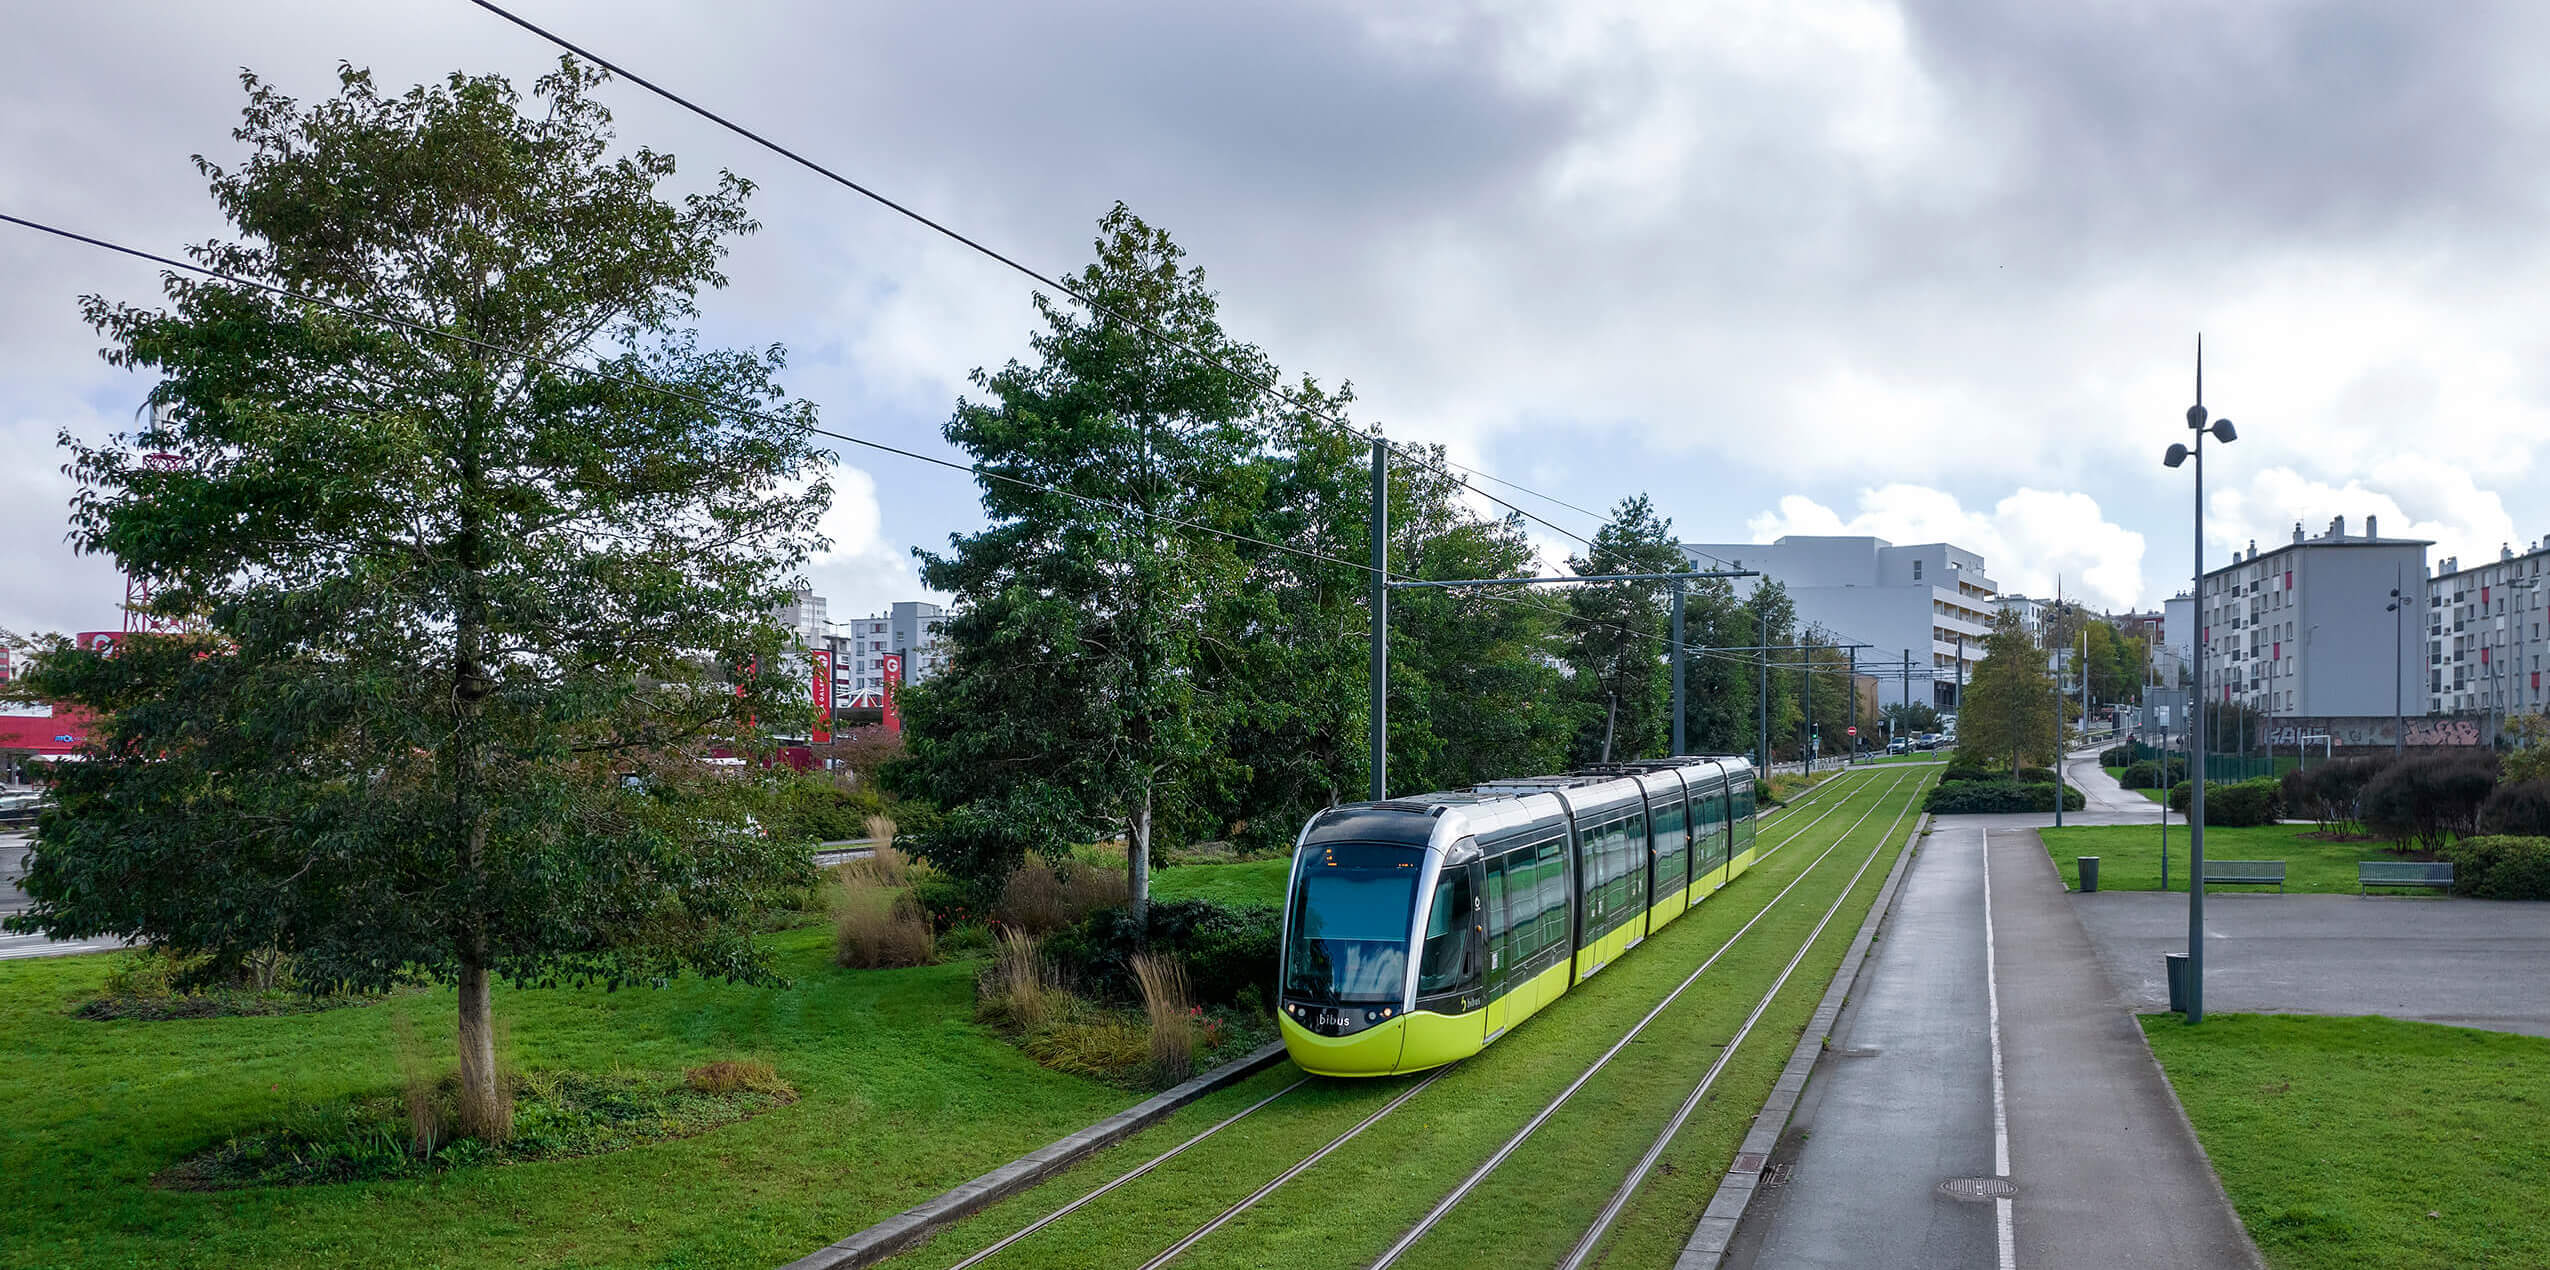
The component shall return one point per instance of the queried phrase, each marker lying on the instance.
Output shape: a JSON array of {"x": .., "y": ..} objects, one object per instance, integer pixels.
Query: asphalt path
[{"x": 1984, "y": 1051}]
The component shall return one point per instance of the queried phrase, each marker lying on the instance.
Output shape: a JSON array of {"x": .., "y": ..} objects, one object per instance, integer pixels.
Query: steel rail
[
  {"x": 1049, "y": 1219},
  {"x": 1147, "y": 1165},
  {"x": 1228, "y": 1214},
  {"x": 1515, "y": 1143},
  {"x": 1646, "y": 1163}
]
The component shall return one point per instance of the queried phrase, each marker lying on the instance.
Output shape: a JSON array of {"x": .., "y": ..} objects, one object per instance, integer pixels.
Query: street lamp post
[
  {"x": 2399, "y": 654},
  {"x": 2221, "y": 430}
]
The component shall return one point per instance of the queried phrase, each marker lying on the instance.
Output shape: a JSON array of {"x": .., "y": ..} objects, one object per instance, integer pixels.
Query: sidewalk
[{"x": 1897, "y": 1151}]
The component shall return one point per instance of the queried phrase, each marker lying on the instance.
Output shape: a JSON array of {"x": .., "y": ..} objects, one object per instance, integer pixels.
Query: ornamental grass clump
[
  {"x": 1020, "y": 989},
  {"x": 876, "y": 926},
  {"x": 1171, "y": 1012},
  {"x": 1043, "y": 898}
]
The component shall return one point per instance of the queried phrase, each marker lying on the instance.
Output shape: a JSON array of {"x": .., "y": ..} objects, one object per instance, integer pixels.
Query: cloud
[
  {"x": 864, "y": 570},
  {"x": 2027, "y": 540},
  {"x": 2412, "y": 497}
]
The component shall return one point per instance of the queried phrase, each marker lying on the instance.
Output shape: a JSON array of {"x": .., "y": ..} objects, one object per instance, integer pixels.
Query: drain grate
[
  {"x": 1858, "y": 1051},
  {"x": 1778, "y": 1174},
  {"x": 1978, "y": 1189}
]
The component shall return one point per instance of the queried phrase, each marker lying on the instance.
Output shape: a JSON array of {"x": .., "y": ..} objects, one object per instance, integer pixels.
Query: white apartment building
[
  {"x": 913, "y": 628},
  {"x": 2031, "y": 614},
  {"x": 2305, "y": 630},
  {"x": 2484, "y": 634},
  {"x": 804, "y": 616},
  {"x": 1930, "y": 602}
]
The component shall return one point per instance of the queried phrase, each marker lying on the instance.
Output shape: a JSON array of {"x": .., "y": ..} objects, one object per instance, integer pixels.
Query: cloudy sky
[{"x": 1924, "y": 270}]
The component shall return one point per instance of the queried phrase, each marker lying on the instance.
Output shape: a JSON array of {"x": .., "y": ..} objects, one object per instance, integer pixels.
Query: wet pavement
[{"x": 1903, "y": 1154}]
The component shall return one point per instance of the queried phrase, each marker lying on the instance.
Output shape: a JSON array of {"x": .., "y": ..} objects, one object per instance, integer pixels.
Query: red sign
[
  {"x": 892, "y": 673},
  {"x": 823, "y": 696},
  {"x": 1851, "y": 731},
  {"x": 99, "y": 641}
]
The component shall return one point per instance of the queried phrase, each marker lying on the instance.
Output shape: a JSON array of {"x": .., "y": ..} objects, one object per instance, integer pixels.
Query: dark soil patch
[
  {"x": 557, "y": 1116},
  {"x": 218, "y": 1005}
]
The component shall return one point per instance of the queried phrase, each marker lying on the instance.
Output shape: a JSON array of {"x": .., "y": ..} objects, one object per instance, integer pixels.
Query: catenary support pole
[
  {"x": 2195, "y": 986},
  {"x": 1762, "y": 695},
  {"x": 1380, "y": 722},
  {"x": 1678, "y": 747}
]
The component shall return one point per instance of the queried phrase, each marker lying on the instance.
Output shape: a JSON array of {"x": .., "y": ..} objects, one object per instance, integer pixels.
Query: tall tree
[
  {"x": 1616, "y": 635},
  {"x": 1071, "y": 703},
  {"x": 1718, "y": 680},
  {"x": 457, "y": 596},
  {"x": 1767, "y": 622},
  {"x": 2010, "y": 703}
]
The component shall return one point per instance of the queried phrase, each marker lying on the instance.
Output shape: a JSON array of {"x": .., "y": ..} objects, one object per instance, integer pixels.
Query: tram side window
[
  {"x": 1553, "y": 871},
  {"x": 1443, "y": 967},
  {"x": 1499, "y": 929},
  {"x": 1633, "y": 859}
]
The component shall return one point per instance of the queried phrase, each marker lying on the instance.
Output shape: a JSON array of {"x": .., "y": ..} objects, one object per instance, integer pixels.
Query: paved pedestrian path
[{"x": 1984, "y": 1045}]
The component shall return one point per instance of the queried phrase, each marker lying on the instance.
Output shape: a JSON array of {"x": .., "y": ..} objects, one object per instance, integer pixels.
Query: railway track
[{"x": 1823, "y": 801}]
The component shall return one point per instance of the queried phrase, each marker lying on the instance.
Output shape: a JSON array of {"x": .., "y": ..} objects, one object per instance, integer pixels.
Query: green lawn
[
  {"x": 1252, "y": 882},
  {"x": 902, "y": 1097},
  {"x": 2370, "y": 1142},
  {"x": 2129, "y": 856}
]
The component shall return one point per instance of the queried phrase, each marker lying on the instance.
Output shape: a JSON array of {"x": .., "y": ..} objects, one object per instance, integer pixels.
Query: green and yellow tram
[{"x": 1419, "y": 930}]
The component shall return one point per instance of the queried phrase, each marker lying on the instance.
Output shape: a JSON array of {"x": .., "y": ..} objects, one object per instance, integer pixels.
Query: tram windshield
[{"x": 1351, "y": 910}]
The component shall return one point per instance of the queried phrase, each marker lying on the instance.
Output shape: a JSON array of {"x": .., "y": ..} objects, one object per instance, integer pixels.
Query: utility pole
[
  {"x": 1806, "y": 746},
  {"x": 1380, "y": 719},
  {"x": 1957, "y": 695},
  {"x": 2055, "y": 660},
  {"x": 1678, "y": 747},
  {"x": 1762, "y": 697}
]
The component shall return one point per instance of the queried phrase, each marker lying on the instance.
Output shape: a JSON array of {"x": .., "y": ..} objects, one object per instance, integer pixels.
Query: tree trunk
[
  {"x": 486, "y": 1112},
  {"x": 1138, "y": 864}
]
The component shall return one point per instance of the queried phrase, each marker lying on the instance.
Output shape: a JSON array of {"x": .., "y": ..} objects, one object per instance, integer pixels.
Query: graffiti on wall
[{"x": 2345, "y": 732}]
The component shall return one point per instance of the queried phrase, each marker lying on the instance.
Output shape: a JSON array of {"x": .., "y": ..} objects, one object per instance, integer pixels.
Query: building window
[{"x": 1916, "y": 571}]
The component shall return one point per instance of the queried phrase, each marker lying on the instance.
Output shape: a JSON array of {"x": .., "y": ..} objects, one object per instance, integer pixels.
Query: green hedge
[
  {"x": 2242, "y": 805},
  {"x": 2503, "y": 867},
  {"x": 1975, "y": 796},
  {"x": 2116, "y": 756}
]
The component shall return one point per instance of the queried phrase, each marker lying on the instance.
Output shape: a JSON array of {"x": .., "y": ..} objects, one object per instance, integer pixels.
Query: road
[{"x": 13, "y": 857}]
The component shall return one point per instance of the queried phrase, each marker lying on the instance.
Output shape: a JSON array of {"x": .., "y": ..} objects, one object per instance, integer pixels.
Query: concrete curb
[
  {"x": 1707, "y": 1247},
  {"x": 923, "y": 1220}
]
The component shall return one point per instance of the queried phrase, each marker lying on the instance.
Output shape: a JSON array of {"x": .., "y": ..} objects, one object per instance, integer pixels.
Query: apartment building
[
  {"x": 2305, "y": 630},
  {"x": 1930, "y": 601},
  {"x": 2484, "y": 634},
  {"x": 2030, "y": 612},
  {"x": 914, "y": 628}
]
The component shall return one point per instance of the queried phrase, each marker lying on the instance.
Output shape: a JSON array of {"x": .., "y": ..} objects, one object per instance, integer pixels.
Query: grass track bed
[
  {"x": 2370, "y": 1142},
  {"x": 1351, "y": 1206}
]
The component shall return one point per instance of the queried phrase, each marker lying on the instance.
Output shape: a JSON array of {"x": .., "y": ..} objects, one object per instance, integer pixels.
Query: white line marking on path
[{"x": 2005, "y": 1231}]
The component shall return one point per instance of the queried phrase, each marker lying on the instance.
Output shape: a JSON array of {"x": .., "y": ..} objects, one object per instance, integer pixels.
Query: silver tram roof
[{"x": 1490, "y": 806}]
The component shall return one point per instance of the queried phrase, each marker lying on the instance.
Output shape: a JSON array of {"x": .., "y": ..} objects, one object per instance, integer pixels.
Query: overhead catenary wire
[
  {"x": 1266, "y": 384},
  {"x": 601, "y": 376}
]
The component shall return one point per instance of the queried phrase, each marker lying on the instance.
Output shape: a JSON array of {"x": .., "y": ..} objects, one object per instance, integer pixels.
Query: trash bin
[
  {"x": 2089, "y": 872},
  {"x": 2177, "y": 966}
]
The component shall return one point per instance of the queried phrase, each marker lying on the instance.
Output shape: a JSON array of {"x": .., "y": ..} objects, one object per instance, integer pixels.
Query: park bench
[
  {"x": 2248, "y": 872},
  {"x": 2403, "y": 873}
]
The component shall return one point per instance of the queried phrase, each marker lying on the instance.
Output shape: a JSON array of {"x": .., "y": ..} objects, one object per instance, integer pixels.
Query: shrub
[
  {"x": 2429, "y": 798},
  {"x": 1968, "y": 797},
  {"x": 876, "y": 926},
  {"x": 2238, "y": 805},
  {"x": 2517, "y": 807},
  {"x": 1043, "y": 898},
  {"x": 2037, "y": 775},
  {"x": 1968, "y": 765},
  {"x": 2139, "y": 774},
  {"x": 2332, "y": 792},
  {"x": 2116, "y": 756},
  {"x": 1166, "y": 1006},
  {"x": 946, "y": 901},
  {"x": 1226, "y": 949},
  {"x": 814, "y": 808},
  {"x": 2501, "y": 867}
]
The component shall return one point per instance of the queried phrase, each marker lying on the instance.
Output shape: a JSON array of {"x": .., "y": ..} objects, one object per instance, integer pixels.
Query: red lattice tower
[{"x": 137, "y": 587}]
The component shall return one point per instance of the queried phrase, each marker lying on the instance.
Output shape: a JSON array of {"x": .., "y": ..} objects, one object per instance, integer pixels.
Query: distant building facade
[
  {"x": 1930, "y": 601},
  {"x": 2484, "y": 634},
  {"x": 914, "y": 628},
  {"x": 2030, "y": 612},
  {"x": 2305, "y": 630}
]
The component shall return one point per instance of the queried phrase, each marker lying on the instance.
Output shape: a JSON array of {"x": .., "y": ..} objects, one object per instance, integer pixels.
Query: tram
[{"x": 1419, "y": 930}]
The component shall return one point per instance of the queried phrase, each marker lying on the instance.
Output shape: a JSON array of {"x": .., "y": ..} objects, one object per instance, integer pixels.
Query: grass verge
[
  {"x": 2370, "y": 1142},
  {"x": 2129, "y": 856},
  {"x": 1251, "y": 882},
  {"x": 902, "y": 1095}
]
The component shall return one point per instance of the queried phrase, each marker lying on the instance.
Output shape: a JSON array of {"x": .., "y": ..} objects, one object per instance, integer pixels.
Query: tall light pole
[
  {"x": 2222, "y": 431},
  {"x": 2399, "y": 654}
]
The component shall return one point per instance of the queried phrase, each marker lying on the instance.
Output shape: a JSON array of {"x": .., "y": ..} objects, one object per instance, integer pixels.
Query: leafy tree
[
  {"x": 458, "y": 596},
  {"x": 1071, "y": 705},
  {"x": 1616, "y": 636},
  {"x": 1768, "y": 618},
  {"x": 1912, "y": 718},
  {"x": 2009, "y": 708},
  {"x": 1718, "y": 683},
  {"x": 2529, "y": 761}
]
